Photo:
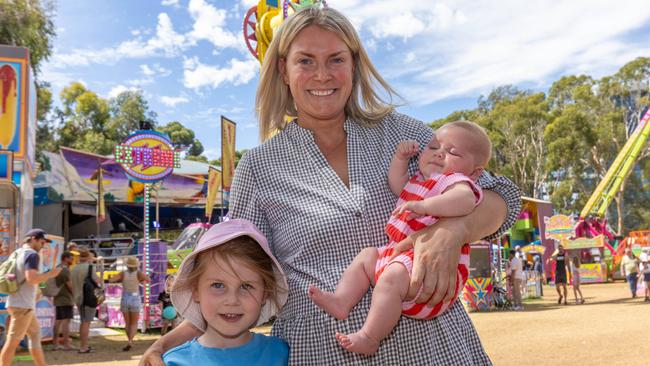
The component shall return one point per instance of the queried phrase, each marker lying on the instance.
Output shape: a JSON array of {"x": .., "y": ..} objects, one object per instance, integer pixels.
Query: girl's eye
[
  {"x": 454, "y": 152},
  {"x": 433, "y": 147},
  {"x": 246, "y": 286}
]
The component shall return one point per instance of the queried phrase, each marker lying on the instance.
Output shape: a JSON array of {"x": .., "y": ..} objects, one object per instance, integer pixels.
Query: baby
[{"x": 443, "y": 187}]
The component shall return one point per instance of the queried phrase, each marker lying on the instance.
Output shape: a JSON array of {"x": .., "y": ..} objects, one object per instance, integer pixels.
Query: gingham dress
[
  {"x": 399, "y": 227},
  {"x": 316, "y": 226}
]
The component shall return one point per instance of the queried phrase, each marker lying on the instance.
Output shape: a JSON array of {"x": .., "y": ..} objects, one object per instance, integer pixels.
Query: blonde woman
[{"x": 318, "y": 190}]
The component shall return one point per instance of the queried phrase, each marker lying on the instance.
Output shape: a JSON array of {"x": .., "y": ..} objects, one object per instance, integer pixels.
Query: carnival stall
[{"x": 477, "y": 293}]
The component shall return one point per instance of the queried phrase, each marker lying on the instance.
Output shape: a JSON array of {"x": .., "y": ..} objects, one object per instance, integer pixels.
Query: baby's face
[{"x": 449, "y": 151}]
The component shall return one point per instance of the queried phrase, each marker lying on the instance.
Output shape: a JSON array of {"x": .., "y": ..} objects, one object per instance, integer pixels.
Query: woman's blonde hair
[
  {"x": 274, "y": 100},
  {"x": 246, "y": 251}
]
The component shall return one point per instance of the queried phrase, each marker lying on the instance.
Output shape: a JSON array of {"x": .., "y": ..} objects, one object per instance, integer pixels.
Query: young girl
[
  {"x": 575, "y": 280},
  {"x": 230, "y": 283},
  {"x": 167, "y": 310},
  {"x": 645, "y": 270}
]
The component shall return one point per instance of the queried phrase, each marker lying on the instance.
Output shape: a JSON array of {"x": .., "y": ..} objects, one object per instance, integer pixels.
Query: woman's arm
[
  {"x": 181, "y": 334},
  {"x": 437, "y": 248}
]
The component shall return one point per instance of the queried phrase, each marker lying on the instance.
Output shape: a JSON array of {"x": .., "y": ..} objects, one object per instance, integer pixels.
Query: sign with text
[{"x": 147, "y": 156}]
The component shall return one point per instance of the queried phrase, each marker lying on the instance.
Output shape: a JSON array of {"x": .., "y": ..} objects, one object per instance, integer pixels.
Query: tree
[
  {"x": 183, "y": 138},
  {"x": 28, "y": 23},
  {"x": 127, "y": 110}
]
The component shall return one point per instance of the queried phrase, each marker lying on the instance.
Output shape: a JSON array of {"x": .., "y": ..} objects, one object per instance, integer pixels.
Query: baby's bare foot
[
  {"x": 328, "y": 302},
  {"x": 358, "y": 342}
]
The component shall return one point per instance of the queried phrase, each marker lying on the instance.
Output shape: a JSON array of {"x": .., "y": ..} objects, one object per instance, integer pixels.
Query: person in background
[
  {"x": 166, "y": 306},
  {"x": 130, "y": 304},
  {"x": 86, "y": 313},
  {"x": 575, "y": 280},
  {"x": 64, "y": 303},
  {"x": 21, "y": 305},
  {"x": 561, "y": 264},
  {"x": 630, "y": 270},
  {"x": 516, "y": 274},
  {"x": 538, "y": 268},
  {"x": 645, "y": 271}
]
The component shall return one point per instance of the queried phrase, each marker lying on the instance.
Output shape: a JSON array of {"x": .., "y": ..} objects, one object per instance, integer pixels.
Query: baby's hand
[
  {"x": 407, "y": 149},
  {"x": 410, "y": 208}
]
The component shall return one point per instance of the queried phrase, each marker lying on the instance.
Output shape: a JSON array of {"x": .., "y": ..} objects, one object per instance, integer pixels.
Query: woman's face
[{"x": 318, "y": 70}]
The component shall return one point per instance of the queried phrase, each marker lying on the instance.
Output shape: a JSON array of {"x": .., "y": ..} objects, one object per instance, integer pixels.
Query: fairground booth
[
  {"x": 17, "y": 169},
  {"x": 589, "y": 251}
]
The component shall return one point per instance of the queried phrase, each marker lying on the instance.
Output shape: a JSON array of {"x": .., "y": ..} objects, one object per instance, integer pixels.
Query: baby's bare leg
[
  {"x": 385, "y": 311},
  {"x": 353, "y": 285}
]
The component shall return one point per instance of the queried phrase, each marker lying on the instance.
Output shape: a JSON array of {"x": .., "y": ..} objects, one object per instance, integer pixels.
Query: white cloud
[
  {"x": 166, "y": 42},
  {"x": 173, "y": 101},
  {"x": 117, "y": 90},
  {"x": 197, "y": 75},
  {"x": 467, "y": 47},
  {"x": 210, "y": 24},
  {"x": 173, "y": 3}
]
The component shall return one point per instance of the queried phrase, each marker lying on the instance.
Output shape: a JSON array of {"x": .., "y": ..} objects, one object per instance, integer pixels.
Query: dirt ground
[{"x": 610, "y": 328}]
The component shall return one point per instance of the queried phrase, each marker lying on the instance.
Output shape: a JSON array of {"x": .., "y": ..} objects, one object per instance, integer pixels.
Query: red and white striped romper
[{"x": 398, "y": 229}]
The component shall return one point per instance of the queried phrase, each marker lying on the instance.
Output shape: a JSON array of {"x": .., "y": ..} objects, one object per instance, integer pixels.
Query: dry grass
[{"x": 610, "y": 329}]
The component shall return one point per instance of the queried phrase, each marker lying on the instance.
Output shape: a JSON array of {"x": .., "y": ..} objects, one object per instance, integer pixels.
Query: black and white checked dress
[{"x": 316, "y": 226}]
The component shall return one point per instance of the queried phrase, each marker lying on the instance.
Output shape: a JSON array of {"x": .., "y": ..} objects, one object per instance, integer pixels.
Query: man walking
[
  {"x": 86, "y": 313},
  {"x": 64, "y": 302},
  {"x": 22, "y": 304},
  {"x": 630, "y": 270}
]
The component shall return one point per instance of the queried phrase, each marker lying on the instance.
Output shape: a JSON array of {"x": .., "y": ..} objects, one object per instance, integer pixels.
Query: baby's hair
[
  {"x": 242, "y": 248},
  {"x": 483, "y": 145}
]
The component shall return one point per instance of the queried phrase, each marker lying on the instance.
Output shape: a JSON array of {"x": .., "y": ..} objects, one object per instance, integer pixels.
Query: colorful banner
[
  {"x": 214, "y": 185},
  {"x": 593, "y": 273},
  {"x": 559, "y": 227},
  {"x": 72, "y": 176},
  {"x": 228, "y": 129},
  {"x": 477, "y": 293},
  {"x": 584, "y": 243}
]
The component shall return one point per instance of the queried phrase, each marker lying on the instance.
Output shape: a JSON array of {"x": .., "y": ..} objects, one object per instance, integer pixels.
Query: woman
[
  {"x": 318, "y": 190},
  {"x": 130, "y": 304}
]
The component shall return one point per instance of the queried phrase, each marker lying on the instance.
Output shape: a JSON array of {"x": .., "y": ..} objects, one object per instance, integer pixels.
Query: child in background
[
  {"x": 575, "y": 280},
  {"x": 167, "y": 310},
  {"x": 645, "y": 271},
  {"x": 227, "y": 285},
  {"x": 444, "y": 186}
]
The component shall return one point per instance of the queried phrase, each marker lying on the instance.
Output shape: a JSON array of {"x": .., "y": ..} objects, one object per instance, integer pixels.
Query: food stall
[{"x": 589, "y": 251}]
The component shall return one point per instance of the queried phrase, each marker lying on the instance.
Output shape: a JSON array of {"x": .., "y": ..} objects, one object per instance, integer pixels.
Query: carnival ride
[
  {"x": 262, "y": 20},
  {"x": 591, "y": 222}
]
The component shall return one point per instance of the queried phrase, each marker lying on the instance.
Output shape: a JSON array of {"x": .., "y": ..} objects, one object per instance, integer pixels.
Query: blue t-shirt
[{"x": 260, "y": 350}]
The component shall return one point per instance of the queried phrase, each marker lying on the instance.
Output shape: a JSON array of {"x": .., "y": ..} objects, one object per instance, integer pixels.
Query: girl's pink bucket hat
[{"x": 219, "y": 234}]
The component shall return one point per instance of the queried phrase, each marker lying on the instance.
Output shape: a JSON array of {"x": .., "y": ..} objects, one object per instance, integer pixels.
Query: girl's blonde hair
[
  {"x": 576, "y": 262},
  {"x": 246, "y": 251},
  {"x": 274, "y": 100}
]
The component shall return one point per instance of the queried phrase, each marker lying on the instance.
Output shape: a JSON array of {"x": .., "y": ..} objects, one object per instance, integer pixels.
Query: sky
[{"x": 190, "y": 60}]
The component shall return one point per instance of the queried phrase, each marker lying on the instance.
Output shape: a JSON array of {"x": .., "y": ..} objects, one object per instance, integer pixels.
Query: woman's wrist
[{"x": 455, "y": 226}]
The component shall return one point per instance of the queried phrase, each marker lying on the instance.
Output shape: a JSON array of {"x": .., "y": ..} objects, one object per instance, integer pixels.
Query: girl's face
[
  {"x": 230, "y": 296},
  {"x": 318, "y": 70}
]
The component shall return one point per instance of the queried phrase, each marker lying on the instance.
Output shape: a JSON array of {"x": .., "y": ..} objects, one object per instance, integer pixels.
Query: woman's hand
[{"x": 437, "y": 248}]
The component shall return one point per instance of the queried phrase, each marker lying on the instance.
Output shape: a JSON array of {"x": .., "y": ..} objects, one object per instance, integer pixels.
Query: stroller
[{"x": 500, "y": 299}]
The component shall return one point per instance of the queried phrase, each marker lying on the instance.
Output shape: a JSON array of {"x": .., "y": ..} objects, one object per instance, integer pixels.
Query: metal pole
[
  {"x": 158, "y": 210},
  {"x": 145, "y": 255}
]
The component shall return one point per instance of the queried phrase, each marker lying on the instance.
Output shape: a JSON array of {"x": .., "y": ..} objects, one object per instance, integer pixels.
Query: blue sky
[{"x": 190, "y": 60}]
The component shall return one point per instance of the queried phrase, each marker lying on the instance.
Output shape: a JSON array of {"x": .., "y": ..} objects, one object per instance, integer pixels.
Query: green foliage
[
  {"x": 562, "y": 143},
  {"x": 183, "y": 138},
  {"x": 28, "y": 23}
]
